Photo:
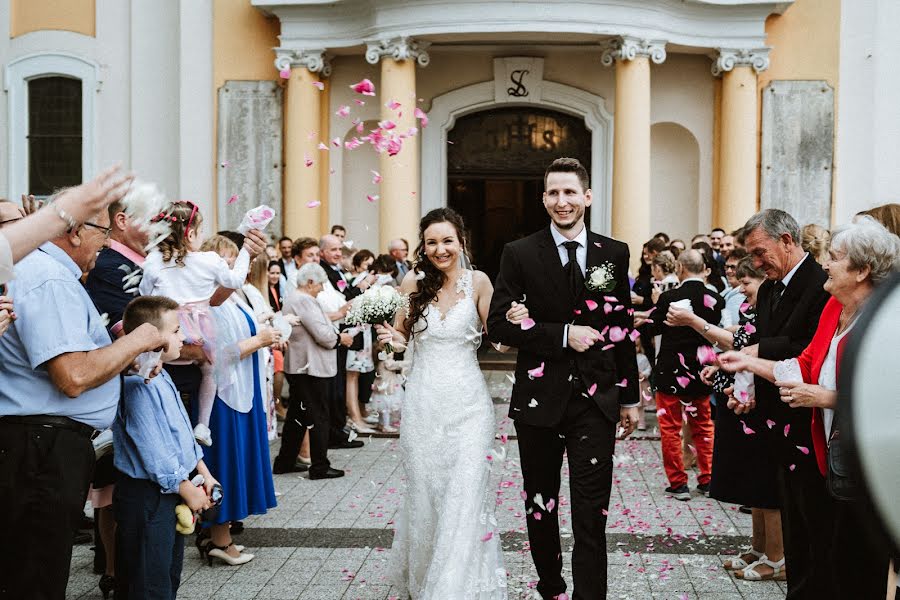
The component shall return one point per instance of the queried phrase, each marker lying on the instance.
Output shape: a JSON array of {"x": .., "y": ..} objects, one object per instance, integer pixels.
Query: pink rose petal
[
  {"x": 616, "y": 334},
  {"x": 623, "y": 383},
  {"x": 536, "y": 372},
  {"x": 770, "y": 423},
  {"x": 747, "y": 430},
  {"x": 683, "y": 381},
  {"x": 232, "y": 200},
  {"x": 322, "y": 146},
  {"x": 803, "y": 449},
  {"x": 551, "y": 504},
  {"x": 376, "y": 177},
  {"x": 592, "y": 389},
  {"x": 607, "y": 308},
  {"x": 536, "y": 515},
  {"x": 634, "y": 335},
  {"x": 285, "y": 73},
  {"x": 527, "y": 323},
  {"x": 319, "y": 85},
  {"x": 709, "y": 301},
  {"x": 372, "y": 198},
  {"x": 792, "y": 467},
  {"x": 343, "y": 111},
  {"x": 749, "y": 328},
  {"x": 341, "y": 285},
  {"x": 393, "y": 105},
  {"x": 420, "y": 114},
  {"x": 364, "y": 87},
  {"x": 787, "y": 429},
  {"x": 313, "y": 204},
  {"x": 487, "y": 536},
  {"x": 591, "y": 305},
  {"x": 706, "y": 355},
  {"x": 308, "y": 161},
  {"x": 608, "y": 347}
]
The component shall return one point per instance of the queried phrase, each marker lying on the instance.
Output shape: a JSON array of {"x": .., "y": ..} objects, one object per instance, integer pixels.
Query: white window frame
[{"x": 35, "y": 66}]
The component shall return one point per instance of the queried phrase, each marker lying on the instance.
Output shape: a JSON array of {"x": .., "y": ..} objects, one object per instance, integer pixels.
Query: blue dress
[{"x": 239, "y": 456}]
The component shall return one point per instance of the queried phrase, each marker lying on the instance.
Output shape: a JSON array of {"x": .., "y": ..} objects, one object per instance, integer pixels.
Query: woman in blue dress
[{"x": 239, "y": 458}]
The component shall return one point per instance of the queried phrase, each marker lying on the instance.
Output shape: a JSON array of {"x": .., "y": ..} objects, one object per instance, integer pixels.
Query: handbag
[{"x": 843, "y": 484}]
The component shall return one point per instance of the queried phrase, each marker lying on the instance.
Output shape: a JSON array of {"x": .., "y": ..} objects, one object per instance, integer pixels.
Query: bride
[{"x": 446, "y": 543}]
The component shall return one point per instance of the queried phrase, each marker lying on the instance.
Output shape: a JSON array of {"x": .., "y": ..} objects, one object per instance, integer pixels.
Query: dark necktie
[
  {"x": 777, "y": 292},
  {"x": 576, "y": 277}
]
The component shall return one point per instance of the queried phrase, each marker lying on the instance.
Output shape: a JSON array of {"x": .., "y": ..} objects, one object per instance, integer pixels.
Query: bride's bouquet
[{"x": 375, "y": 306}]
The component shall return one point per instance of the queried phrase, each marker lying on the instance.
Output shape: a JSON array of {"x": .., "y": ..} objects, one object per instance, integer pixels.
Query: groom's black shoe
[
  {"x": 329, "y": 474},
  {"x": 344, "y": 444},
  {"x": 278, "y": 469}
]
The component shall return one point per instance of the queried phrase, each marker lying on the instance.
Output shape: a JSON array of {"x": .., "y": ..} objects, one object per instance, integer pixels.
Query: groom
[{"x": 576, "y": 375}]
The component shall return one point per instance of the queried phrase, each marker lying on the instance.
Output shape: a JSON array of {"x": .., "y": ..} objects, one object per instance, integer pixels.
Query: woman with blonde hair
[{"x": 815, "y": 239}]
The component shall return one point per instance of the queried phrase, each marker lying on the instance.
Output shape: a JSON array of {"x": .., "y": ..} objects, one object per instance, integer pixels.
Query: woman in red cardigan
[{"x": 862, "y": 255}]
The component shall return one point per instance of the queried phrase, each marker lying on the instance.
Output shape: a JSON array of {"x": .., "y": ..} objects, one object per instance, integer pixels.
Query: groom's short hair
[{"x": 569, "y": 165}]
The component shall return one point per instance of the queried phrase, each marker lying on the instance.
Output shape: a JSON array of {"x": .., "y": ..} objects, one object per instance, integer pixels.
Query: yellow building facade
[{"x": 689, "y": 115}]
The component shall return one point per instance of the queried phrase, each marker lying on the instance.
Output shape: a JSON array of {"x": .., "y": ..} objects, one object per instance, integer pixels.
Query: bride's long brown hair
[{"x": 428, "y": 287}]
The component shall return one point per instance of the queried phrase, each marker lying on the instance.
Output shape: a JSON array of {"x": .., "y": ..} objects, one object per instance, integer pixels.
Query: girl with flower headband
[{"x": 177, "y": 269}]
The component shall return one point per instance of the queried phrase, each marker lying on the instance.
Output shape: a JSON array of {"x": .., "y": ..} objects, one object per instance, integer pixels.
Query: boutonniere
[{"x": 601, "y": 278}]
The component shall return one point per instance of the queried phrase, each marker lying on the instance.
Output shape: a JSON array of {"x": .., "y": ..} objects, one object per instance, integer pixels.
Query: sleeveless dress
[{"x": 446, "y": 542}]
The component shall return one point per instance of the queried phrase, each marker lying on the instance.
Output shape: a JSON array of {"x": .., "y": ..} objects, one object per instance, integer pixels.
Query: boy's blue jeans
[{"x": 149, "y": 552}]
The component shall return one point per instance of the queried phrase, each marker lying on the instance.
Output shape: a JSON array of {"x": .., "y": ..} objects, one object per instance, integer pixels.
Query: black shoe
[
  {"x": 703, "y": 488},
  {"x": 107, "y": 584},
  {"x": 745, "y": 509},
  {"x": 344, "y": 444},
  {"x": 329, "y": 474},
  {"x": 682, "y": 492},
  {"x": 295, "y": 468}
]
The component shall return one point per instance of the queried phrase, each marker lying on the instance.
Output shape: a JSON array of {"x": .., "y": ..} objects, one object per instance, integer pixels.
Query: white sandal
[
  {"x": 738, "y": 562},
  {"x": 751, "y": 574}
]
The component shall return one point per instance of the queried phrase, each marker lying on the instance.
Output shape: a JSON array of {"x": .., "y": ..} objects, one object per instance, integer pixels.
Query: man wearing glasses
[{"x": 60, "y": 373}]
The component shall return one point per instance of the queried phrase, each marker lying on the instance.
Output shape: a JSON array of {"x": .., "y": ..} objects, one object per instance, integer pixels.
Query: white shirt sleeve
[
  {"x": 6, "y": 261},
  {"x": 232, "y": 278}
]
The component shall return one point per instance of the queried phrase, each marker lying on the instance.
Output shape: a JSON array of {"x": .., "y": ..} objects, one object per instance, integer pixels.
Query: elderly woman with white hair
[
  {"x": 862, "y": 255},
  {"x": 310, "y": 361}
]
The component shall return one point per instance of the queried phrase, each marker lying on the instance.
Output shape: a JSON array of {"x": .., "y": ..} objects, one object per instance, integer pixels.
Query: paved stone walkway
[{"x": 331, "y": 539}]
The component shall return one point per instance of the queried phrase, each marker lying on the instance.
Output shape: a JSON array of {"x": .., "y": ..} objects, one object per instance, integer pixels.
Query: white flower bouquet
[
  {"x": 375, "y": 306},
  {"x": 601, "y": 279}
]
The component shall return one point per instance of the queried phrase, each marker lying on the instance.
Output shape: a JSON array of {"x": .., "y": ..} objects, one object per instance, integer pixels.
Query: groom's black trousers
[{"x": 588, "y": 438}]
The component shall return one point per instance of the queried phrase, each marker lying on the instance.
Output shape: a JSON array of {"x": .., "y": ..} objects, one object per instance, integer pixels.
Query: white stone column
[
  {"x": 739, "y": 135},
  {"x": 631, "y": 138},
  {"x": 302, "y": 110},
  {"x": 399, "y": 205}
]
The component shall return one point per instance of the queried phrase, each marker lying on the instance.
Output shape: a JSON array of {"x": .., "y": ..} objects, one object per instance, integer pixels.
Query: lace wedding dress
[{"x": 446, "y": 543}]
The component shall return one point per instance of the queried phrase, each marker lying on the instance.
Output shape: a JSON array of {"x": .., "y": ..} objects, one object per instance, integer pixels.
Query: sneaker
[
  {"x": 681, "y": 492},
  {"x": 703, "y": 488},
  {"x": 202, "y": 434},
  {"x": 103, "y": 443}
]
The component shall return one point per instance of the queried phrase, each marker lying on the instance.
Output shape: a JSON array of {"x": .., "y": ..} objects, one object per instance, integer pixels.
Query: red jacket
[{"x": 811, "y": 360}]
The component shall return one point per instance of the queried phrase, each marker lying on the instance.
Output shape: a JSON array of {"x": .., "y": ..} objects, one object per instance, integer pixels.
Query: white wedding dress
[{"x": 446, "y": 542}]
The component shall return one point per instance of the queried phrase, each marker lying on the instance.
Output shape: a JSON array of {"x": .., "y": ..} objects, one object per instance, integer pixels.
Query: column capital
[
  {"x": 399, "y": 48},
  {"x": 627, "y": 47},
  {"x": 313, "y": 59},
  {"x": 729, "y": 58}
]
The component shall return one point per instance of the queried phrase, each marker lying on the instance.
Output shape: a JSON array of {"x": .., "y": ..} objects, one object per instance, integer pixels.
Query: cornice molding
[
  {"x": 629, "y": 47},
  {"x": 728, "y": 58},
  {"x": 313, "y": 59},
  {"x": 399, "y": 48}
]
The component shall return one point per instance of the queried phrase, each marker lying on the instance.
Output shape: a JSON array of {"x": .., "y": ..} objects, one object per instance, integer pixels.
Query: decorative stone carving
[
  {"x": 315, "y": 60},
  {"x": 249, "y": 168},
  {"x": 401, "y": 48},
  {"x": 518, "y": 79},
  {"x": 729, "y": 58},
  {"x": 628, "y": 48},
  {"x": 797, "y": 149}
]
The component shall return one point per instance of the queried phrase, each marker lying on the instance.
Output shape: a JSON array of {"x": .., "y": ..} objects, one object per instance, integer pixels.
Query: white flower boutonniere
[{"x": 601, "y": 278}]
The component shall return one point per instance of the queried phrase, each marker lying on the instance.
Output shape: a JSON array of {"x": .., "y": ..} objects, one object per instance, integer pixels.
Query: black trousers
[
  {"x": 44, "y": 477},
  {"x": 859, "y": 556},
  {"x": 337, "y": 394},
  {"x": 807, "y": 523},
  {"x": 309, "y": 410},
  {"x": 588, "y": 438},
  {"x": 149, "y": 552}
]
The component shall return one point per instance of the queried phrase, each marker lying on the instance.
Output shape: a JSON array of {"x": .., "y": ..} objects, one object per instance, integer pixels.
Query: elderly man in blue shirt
[{"x": 61, "y": 382}]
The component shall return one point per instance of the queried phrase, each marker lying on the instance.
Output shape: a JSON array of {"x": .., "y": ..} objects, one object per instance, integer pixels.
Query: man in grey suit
[{"x": 399, "y": 250}]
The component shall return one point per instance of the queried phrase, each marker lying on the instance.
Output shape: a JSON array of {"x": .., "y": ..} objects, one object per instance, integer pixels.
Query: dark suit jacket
[
  {"x": 682, "y": 342},
  {"x": 350, "y": 292},
  {"x": 531, "y": 272},
  {"x": 785, "y": 334},
  {"x": 106, "y": 287}
]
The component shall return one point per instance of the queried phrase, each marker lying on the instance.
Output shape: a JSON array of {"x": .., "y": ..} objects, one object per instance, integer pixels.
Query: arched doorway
[{"x": 495, "y": 167}]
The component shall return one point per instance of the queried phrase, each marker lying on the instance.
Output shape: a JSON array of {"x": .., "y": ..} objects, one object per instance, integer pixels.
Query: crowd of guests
[
  {"x": 176, "y": 351},
  {"x": 744, "y": 332},
  {"x": 180, "y": 354}
]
